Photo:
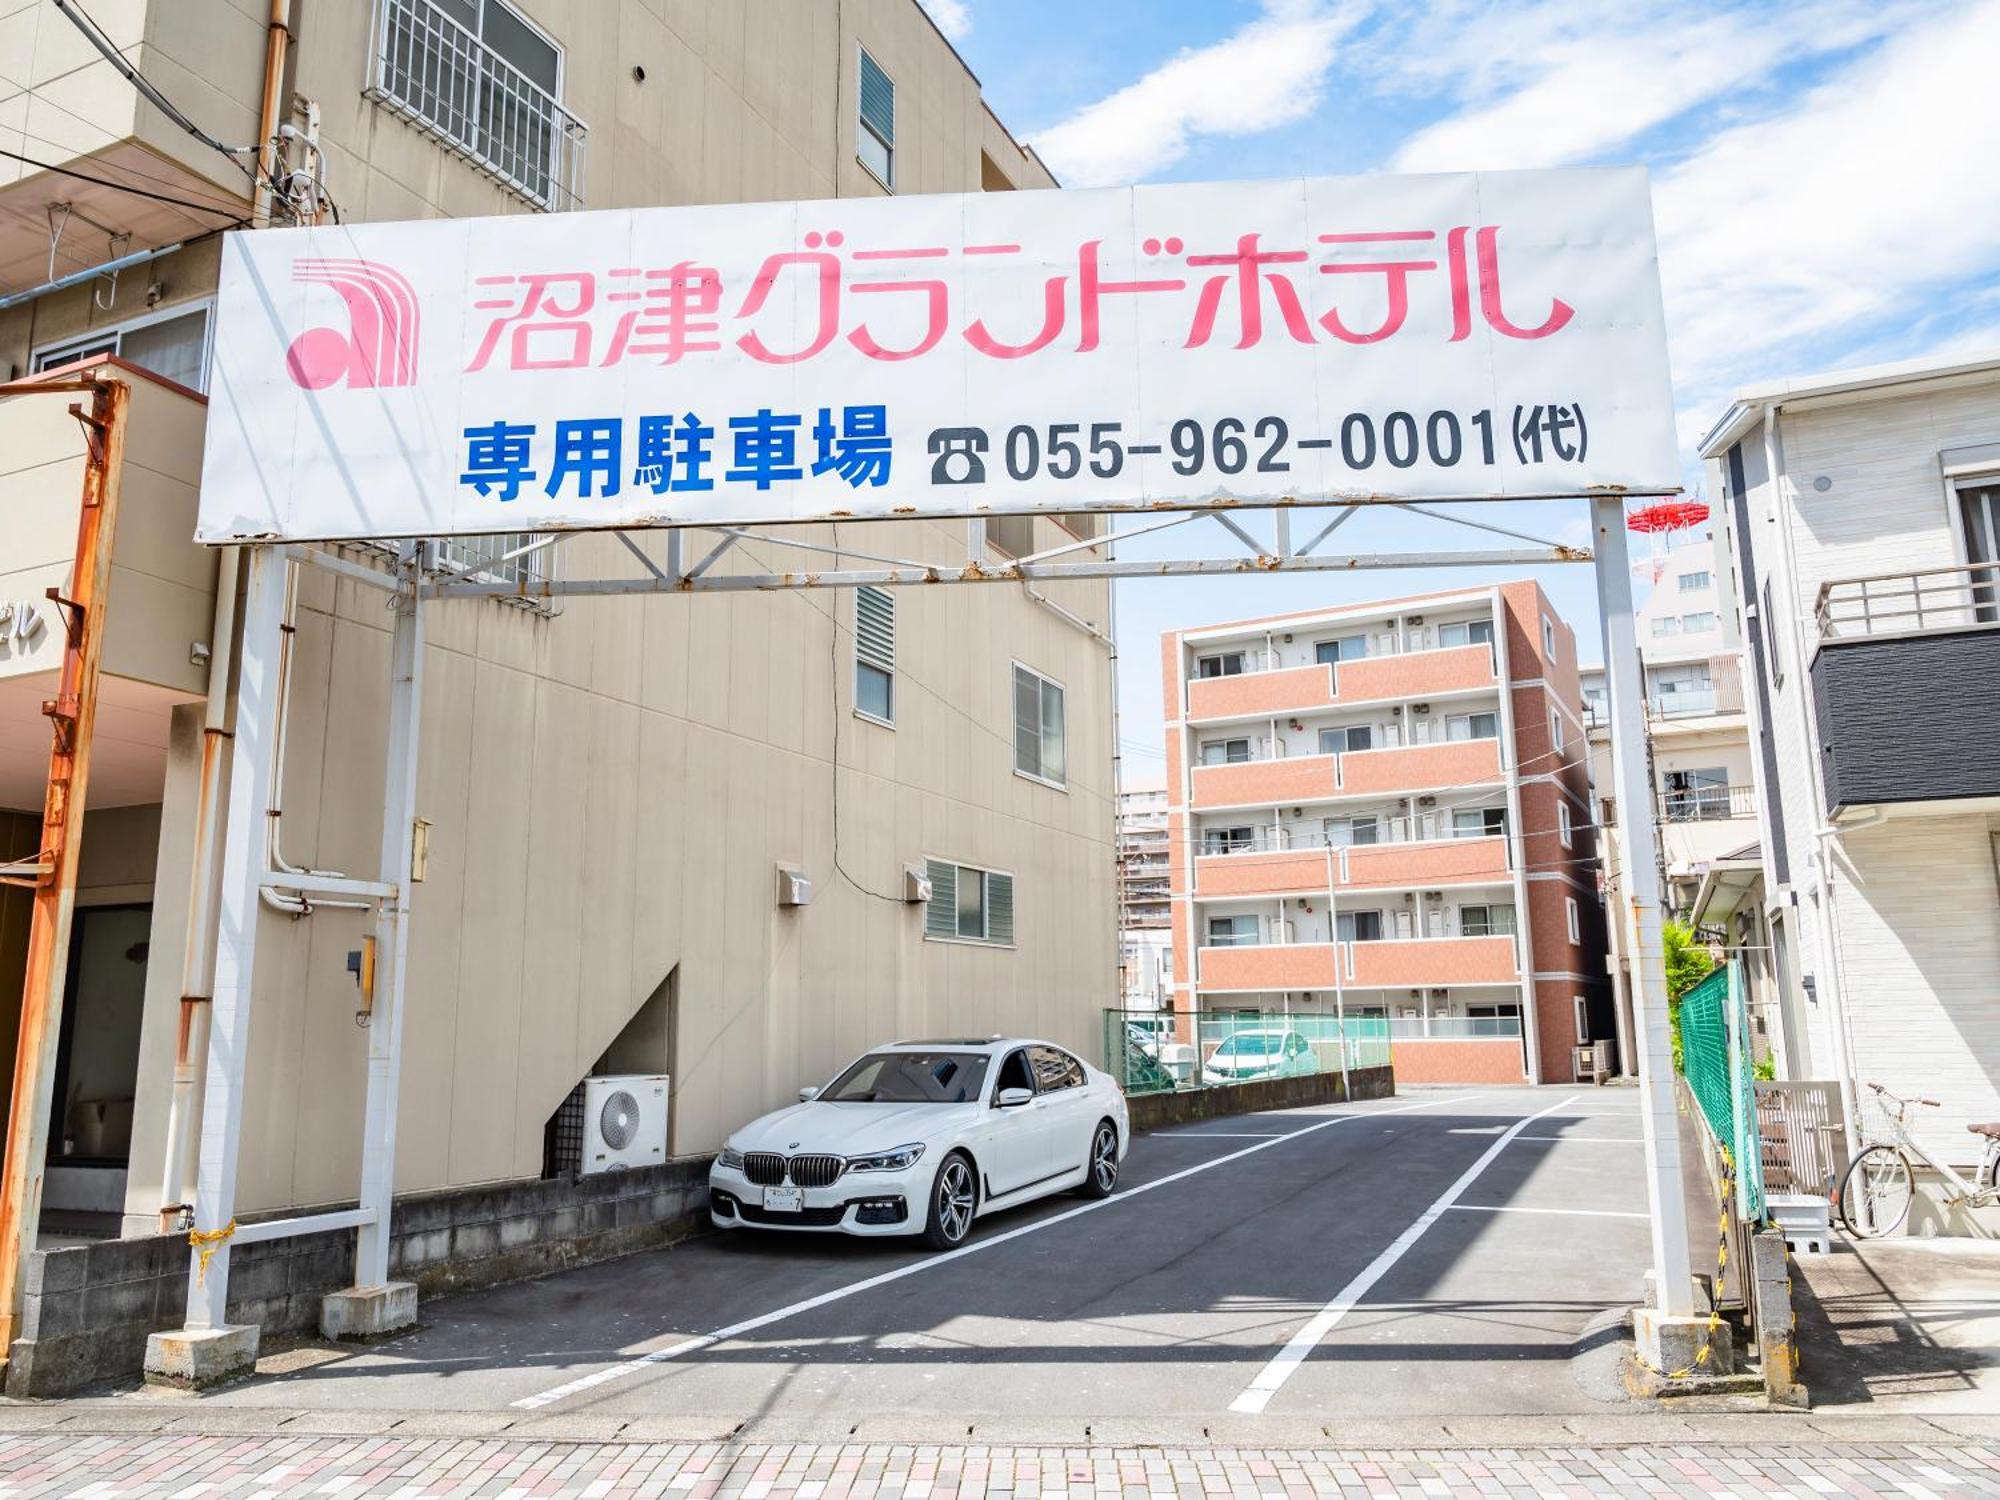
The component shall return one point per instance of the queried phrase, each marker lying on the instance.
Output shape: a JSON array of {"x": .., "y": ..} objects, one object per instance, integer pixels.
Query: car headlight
[
  {"x": 729, "y": 1157},
  {"x": 896, "y": 1160}
]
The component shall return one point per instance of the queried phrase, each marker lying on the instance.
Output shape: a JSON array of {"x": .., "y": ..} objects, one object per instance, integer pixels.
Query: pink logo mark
[{"x": 379, "y": 347}]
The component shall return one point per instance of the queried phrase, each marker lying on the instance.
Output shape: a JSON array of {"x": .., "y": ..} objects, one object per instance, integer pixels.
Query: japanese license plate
[{"x": 784, "y": 1200}]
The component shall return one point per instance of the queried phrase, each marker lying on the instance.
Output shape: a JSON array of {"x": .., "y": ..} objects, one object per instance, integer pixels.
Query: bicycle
[{"x": 1879, "y": 1186}]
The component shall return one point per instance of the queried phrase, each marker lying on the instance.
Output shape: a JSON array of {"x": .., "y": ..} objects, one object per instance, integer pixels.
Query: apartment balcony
[
  {"x": 1906, "y": 686},
  {"x": 1300, "y": 779},
  {"x": 1322, "y": 686},
  {"x": 1264, "y": 869},
  {"x": 1389, "y": 964},
  {"x": 1708, "y": 804}
]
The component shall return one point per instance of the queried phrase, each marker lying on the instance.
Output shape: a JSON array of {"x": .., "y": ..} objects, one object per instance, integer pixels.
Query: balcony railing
[
  {"x": 1704, "y": 804},
  {"x": 1384, "y": 963},
  {"x": 1452, "y": 1028},
  {"x": 434, "y": 73},
  {"x": 1966, "y": 597},
  {"x": 1268, "y": 685}
]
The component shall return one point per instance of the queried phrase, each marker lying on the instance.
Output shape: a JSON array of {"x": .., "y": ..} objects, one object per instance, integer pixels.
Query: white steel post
[
  {"x": 250, "y": 776},
  {"x": 1672, "y": 1268},
  {"x": 392, "y": 929}
]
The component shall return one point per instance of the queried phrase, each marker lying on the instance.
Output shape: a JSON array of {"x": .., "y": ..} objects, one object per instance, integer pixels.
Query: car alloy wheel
[
  {"x": 1104, "y": 1158},
  {"x": 952, "y": 1202},
  {"x": 1102, "y": 1175}
]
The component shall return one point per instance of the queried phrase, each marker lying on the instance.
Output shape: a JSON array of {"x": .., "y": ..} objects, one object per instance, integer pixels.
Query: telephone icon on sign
[{"x": 960, "y": 455}]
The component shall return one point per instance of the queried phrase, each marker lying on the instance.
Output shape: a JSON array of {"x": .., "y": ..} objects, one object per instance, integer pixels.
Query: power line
[{"x": 237, "y": 218}]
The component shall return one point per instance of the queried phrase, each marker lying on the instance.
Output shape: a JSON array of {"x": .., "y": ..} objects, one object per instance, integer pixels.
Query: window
[
  {"x": 1224, "y": 752},
  {"x": 1773, "y": 637},
  {"x": 1472, "y": 727},
  {"x": 1582, "y": 1020},
  {"x": 172, "y": 345},
  {"x": 1548, "y": 638},
  {"x": 1478, "y": 822},
  {"x": 1555, "y": 731},
  {"x": 1466, "y": 633},
  {"x": 1594, "y": 704},
  {"x": 1345, "y": 648},
  {"x": 1359, "y": 926},
  {"x": 969, "y": 905},
  {"x": 1227, "y": 840},
  {"x": 875, "y": 655},
  {"x": 1565, "y": 829},
  {"x": 482, "y": 80},
  {"x": 1013, "y": 535},
  {"x": 1038, "y": 726},
  {"x": 1486, "y": 921},
  {"x": 1574, "y": 919},
  {"x": 1666, "y": 625},
  {"x": 1699, "y": 622},
  {"x": 1014, "y": 1074},
  {"x": 875, "y": 141},
  {"x": 1694, "y": 583},
  {"x": 1344, "y": 832},
  {"x": 1348, "y": 737},
  {"x": 1232, "y": 932},
  {"x": 1055, "y": 1070},
  {"x": 1696, "y": 793},
  {"x": 910, "y": 1078},
  {"x": 1221, "y": 664},
  {"x": 1980, "y": 508}
]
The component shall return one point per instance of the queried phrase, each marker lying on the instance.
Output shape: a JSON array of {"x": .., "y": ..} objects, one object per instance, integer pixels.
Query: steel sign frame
[
  {"x": 351, "y": 382},
  {"x": 1328, "y": 341}
]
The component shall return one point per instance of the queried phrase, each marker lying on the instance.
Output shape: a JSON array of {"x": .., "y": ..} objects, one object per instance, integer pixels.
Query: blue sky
[{"x": 1824, "y": 180}]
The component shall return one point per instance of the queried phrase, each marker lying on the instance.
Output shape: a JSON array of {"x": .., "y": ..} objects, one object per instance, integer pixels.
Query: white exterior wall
[{"x": 1915, "y": 920}]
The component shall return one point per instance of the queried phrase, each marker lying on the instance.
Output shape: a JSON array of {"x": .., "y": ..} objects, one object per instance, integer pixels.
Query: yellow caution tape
[{"x": 206, "y": 1242}]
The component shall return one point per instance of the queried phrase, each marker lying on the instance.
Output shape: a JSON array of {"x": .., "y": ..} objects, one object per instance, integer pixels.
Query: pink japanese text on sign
[{"x": 1490, "y": 335}]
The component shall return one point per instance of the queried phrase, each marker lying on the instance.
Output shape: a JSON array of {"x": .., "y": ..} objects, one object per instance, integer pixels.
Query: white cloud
[
  {"x": 1268, "y": 73},
  {"x": 953, "y": 17},
  {"x": 1866, "y": 200},
  {"x": 1555, "y": 83}
]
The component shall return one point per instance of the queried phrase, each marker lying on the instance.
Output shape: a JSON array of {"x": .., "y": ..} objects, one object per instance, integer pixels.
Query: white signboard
[{"x": 1494, "y": 335}]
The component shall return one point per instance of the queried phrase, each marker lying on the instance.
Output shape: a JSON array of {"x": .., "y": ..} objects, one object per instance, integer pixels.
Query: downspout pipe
[
  {"x": 198, "y": 953},
  {"x": 277, "y": 39}
]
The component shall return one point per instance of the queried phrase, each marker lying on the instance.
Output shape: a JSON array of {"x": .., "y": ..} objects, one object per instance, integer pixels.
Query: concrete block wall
[{"x": 86, "y": 1310}]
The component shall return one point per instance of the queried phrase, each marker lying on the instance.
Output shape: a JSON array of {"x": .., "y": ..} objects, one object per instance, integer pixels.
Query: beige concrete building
[{"x": 610, "y": 783}]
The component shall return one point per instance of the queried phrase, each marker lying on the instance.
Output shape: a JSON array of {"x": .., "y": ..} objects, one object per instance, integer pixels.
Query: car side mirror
[
  {"x": 809, "y": 1093},
  {"x": 1014, "y": 1098}
]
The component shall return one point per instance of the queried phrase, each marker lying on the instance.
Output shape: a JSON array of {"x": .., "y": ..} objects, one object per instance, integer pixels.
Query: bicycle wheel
[{"x": 1879, "y": 1179}]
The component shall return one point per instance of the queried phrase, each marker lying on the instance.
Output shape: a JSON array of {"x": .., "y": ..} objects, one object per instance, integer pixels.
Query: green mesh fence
[
  {"x": 1720, "y": 1079},
  {"x": 1149, "y": 1053}
]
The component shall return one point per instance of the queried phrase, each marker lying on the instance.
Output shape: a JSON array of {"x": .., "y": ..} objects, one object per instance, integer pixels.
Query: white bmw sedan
[{"x": 922, "y": 1138}]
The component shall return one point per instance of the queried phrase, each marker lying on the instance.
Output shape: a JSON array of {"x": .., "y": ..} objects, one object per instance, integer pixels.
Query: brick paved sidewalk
[{"x": 199, "y": 1467}]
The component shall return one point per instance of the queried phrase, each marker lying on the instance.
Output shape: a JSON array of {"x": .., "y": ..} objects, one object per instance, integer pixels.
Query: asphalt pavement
[{"x": 1445, "y": 1251}]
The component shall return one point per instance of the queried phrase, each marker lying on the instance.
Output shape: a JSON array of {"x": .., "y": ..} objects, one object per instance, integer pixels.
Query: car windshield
[
  {"x": 911, "y": 1078},
  {"x": 1250, "y": 1044}
]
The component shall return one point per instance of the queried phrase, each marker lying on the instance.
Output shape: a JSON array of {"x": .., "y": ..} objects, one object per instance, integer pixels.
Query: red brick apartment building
[{"x": 1384, "y": 809}]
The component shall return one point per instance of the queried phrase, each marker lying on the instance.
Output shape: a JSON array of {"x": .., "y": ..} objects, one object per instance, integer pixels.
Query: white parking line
[
  {"x": 1271, "y": 1379},
  {"x": 1219, "y": 1135},
  {"x": 1510, "y": 1208},
  {"x": 764, "y": 1320},
  {"x": 1592, "y": 1140}
]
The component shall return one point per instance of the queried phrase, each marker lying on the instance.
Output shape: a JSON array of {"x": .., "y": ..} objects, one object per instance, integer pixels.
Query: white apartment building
[
  {"x": 1862, "y": 512},
  {"x": 1698, "y": 740},
  {"x": 1145, "y": 914}
]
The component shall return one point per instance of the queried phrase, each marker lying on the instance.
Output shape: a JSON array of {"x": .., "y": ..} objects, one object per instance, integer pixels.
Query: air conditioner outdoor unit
[{"x": 624, "y": 1121}]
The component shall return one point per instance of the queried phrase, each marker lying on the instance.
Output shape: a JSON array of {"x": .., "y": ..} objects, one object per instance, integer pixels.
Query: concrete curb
[{"x": 172, "y": 1414}]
